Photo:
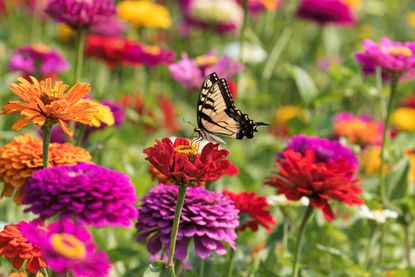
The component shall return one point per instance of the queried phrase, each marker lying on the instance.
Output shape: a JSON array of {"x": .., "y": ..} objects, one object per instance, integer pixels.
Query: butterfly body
[{"x": 217, "y": 115}]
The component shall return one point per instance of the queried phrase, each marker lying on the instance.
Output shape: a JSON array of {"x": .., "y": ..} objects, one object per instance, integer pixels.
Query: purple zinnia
[
  {"x": 209, "y": 218},
  {"x": 191, "y": 72},
  {"x": 392, "y": 57},
  {"x": 326, "y": 11},
  {"x": 325, "y": 150},
  {"x": 67, "y": 247},
  {"x": 117, "y": 111},
  {"x": 110, "y": 27},
  {"x": 91, "y": 194},
  {"x": 150, "y": 55},
  {"x": 37, "y": 60},
  {"x": 81, "y": 13}
]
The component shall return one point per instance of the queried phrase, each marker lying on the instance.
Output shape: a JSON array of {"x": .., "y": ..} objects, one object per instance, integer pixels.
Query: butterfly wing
[{"x": 217, "y": 115}]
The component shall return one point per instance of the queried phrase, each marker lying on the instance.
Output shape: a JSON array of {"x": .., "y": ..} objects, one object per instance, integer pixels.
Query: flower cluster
[
  {"x": 252, "y": 208},
  {"x": 20, "y": 158},
  {"x": 89, "y": 193},
  {"x": 183, "y": 163},
  {"x": 37, "y": 60},
  {"x": 48, "y": 103},
  {"x": 67, "y": 247},
  {"x": 209, "y": 219},
  {"x": 361, "y": 130},
  {"x": 192, "y": 72}
]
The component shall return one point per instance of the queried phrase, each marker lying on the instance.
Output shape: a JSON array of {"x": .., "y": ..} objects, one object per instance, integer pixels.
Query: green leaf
[
  {"x": 397, "y": 180},
  {"x": 121, "y": 253},
  {"x": 263, "y": 271},
  {"x": 305, "y": 84},
  {"x": 158, "y": 269}
]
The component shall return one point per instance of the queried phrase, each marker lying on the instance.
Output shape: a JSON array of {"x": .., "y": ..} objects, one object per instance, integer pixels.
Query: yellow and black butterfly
[{"x": 217, "y": 115}]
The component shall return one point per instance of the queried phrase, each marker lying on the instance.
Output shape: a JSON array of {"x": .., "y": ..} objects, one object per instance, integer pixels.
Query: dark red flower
[
  {"x": 253, "y": 208},
  {"x": 301, "y": 175},
  {"x": 183, "y": 162}
]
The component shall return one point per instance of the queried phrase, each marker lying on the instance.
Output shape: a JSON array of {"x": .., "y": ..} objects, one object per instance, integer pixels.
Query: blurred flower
[
  {"x": 117, "y": 111},
  {"x": 47, "y": 103},
  {"x": 221, "y": 15},
  {"x": 252, "y": 210},
  {"x": 208, "y": 218},
  {"x": 65, "y": 33},
  {"x": 282, "y": 117},
  {"x": 304, "y": 175},
  {"x": 38, "y": 60},
  {"x": 370, "y": 159},
  {"x": 256, "y": 6},
  {"x": 20, "y": 158},
  {"x": 169, "y": 113},
  {"x": 191, "y": 72},
  {"x": 80, "y": 14},
  {"x": 361, "y": 130},
  {"x": 184, "y": 163},
  {"x": 392, "y": 57},
  {"x": 15, "y": 247},
  {"x": 325, "y": 150},
  {"x": 252, "y": 53},
  {"x": 379, "y": 216},
  {"x": 137, "y": 13},
  {"x": 404, "y": 119},
  {"x": 410, "y": 19},
  {"x": 102, "y": 114},
  {"x": 112, "y": 26},
  {"x": 411, "y": 154},
  {"x": 328, "y": 11},
  {"x": 408, "y": 101},
  {"x": 281, "y": 200},
  {"x": 150, "y": 55},
  {"x": 91, "y": 194},
  {"x": 67, "y": 247}
]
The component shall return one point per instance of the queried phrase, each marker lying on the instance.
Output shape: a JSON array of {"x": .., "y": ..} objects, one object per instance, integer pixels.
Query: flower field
[{"x": 253, "y": 138}]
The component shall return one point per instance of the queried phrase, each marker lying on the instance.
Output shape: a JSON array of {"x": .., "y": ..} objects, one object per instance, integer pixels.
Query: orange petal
[
  {"x": 19, "y": 124},
  {"x": 65, "y": 128}
]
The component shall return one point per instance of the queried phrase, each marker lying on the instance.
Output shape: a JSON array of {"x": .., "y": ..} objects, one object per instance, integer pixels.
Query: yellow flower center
[
  {"x": 153, "y": 50},
  {"x": 51, "y": 95},
  {"x": 188, "y": 150},
  {"x": 399, "y": 50},
  {"x": 68, "y": 245},
  {"x": 203, "y": 61},
  {"x": 41, "y": 47}
]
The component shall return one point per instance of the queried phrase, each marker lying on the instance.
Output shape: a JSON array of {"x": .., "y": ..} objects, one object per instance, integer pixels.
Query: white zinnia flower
[
  {"x": 252, "y": 53},
  {"x": 379, "y": 216},
  {"x": 281, "y": 200}
]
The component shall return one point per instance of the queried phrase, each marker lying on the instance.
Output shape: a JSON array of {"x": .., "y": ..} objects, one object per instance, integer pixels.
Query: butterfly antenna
[{"x": 188, "y": 122}]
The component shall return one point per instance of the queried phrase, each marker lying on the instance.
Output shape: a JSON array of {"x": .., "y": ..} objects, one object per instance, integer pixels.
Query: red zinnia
[
  {"x": 300, "y": 176},
  {"x": 182, "y": 162},
  {"x": 254, "y": 207},
  {"x": 15, "y": 247}
]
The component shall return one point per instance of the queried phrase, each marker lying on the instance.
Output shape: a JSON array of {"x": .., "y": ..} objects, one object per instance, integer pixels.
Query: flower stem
[
  {"x": 231, "y": 261},
  {"x": 202, "y": 268},
  {"x": 306, "y": 216},
  {"x": 382, "y": 190},
  {"x": 80, "y": 43},
  {"x": 369, "y": 245},
  {"x": 80, "y": 135},
  {"x": 179, "y": 206},
  {"x": 407, "y": 245},
  {"x": 47, "y": 133}
]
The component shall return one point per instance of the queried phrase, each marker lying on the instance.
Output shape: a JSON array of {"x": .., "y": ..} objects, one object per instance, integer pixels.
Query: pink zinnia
[{"x": 326, "y": 11}]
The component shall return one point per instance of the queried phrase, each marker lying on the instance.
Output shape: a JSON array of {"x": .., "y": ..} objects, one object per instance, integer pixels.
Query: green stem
[
  {"x": 407, "y": 245},
  {"x": 306, "y": 216},
  {"x": 80, "y": 43},
  {"x": 47, "y": 133},
  {"x": 393, "y": 86},
  {"x": 202, "y": 268},
  {"x": 369, "y": 246},
  {"x": 285, "y": 235},
  {"x": 179, "y": 206},
  {"x": 80, "y": 135},
  {"x": 242, "y": 40},
  {"x": 231, "y": 261}
]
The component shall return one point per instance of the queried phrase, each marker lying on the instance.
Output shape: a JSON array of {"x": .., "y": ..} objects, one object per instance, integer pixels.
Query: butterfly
[{"x": 217, "y": 115}]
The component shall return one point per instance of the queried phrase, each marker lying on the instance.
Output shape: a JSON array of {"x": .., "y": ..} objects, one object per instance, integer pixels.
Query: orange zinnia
[
  {"x": 23, "y": 156},
  {"x": 48, "y": 103},
  {"x": 15, "y": 247}
]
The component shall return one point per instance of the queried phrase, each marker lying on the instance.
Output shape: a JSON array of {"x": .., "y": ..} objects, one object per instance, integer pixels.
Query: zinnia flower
[
  {"x": 47, "y": 103},
  {"x": 257, "y": 6},
  {"x": 208, "y": 218},
  {"x": 67, "y": 247},
  {"x": 252, "y": 53},
  {"x": 191, "y": 72},
  {"x": 403, "y": 119},
  {"x": 378, "y": 216},
  {"x": 37, "y": 60},
  {"x": 89, "y": 193},
  {"x": 252, "y": 208},
  {"x": 116, "y": 110},
  {"x": 370, "y": 159},
  {"x": 23, "y": 156},
  {"x": 150, "y": 55},
  {"x": 327, "y": 11},
  {"x": 15, "y": 247},
  {"x": 392, "y": 57},
  {"x": 361, "y": 130},
  {"x": 283, "y": 116},
  {"x": 80, "y": 14},
  {"x": 325, "y": 150},
  {"x": 137, "y": 13},
  {"x": 301, "y": 175},
  {"x": 112, "y": 26},
  {"x": 411, "y": 154},
  {"x": 182, "y": 162}
]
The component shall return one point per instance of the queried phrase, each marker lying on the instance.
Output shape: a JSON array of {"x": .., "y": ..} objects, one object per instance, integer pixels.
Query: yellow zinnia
[
  {"x": 144, "y": 14},
  {"x": 404, "y": 119},
  {"x": 103, "y": 114}
]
